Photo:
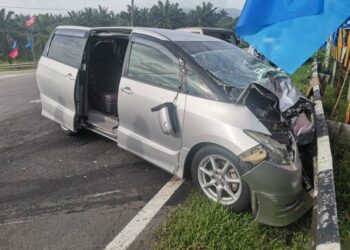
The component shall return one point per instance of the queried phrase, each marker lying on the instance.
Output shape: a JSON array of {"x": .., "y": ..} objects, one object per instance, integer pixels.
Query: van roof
[
  {"x": 162, "y": 34},
  {"x": 206, "y": 29}
]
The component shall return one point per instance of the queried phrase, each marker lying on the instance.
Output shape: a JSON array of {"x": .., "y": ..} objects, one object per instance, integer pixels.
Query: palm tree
[
  {"x": 74, "y": 18},
  {"x": 204, "y": 15},
  {"x": 6, "y": 26},
  {"x": 141, "y": 17},
  {"x": 88, "y": 17},
  {"x": 164, "y": 14},
  {"x": 104, "y": 17},
  {"x": 167, "y": 15}
]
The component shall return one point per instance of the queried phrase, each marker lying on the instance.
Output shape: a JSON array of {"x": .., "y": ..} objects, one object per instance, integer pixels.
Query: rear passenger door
[
  {"x": 152, "y": 77},
  {"x": 57, "y": 74}
]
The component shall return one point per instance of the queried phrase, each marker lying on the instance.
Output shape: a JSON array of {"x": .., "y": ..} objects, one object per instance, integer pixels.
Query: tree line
[{"x": 164, "y": 14}]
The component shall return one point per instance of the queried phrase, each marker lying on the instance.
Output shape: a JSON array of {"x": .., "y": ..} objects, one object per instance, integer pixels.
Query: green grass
[
  {"x": 202, "y": 224},
  {"x": 341, "y": 156},
  {"x": 329, "y": 98},
  {"x": 301, "y": 77}
]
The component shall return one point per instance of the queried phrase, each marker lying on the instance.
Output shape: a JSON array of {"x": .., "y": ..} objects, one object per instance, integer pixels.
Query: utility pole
[{"x": 132, "y": 13}]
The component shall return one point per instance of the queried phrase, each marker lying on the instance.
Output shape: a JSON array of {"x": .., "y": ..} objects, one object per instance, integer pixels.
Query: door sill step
[{"x": 102, "y": 132}]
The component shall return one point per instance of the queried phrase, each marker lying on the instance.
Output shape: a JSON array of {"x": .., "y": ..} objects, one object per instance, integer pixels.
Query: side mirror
[{"x": 167, "y": 117}]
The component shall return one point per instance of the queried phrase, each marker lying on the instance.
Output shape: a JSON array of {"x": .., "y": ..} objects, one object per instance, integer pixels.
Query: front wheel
[{"x": 217, "y": 174}]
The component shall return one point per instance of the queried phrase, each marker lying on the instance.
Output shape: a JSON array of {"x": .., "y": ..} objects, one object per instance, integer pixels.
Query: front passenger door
[{"x": 152, "y": 78}]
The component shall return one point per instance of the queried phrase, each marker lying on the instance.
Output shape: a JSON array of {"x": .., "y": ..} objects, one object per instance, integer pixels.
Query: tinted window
[
  {"x": 68, "y": 50},
  {"x": 154, "y": 65}
]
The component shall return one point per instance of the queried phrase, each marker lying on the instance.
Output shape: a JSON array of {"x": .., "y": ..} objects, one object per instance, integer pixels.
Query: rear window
[{"x": 67, "y": 49}]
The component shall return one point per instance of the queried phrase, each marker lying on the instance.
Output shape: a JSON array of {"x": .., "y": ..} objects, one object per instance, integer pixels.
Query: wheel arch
[{"x": 190, "y": 155}]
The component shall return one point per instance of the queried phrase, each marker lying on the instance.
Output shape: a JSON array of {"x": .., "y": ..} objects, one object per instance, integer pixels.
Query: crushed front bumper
[{"x": 280, "y": 196}]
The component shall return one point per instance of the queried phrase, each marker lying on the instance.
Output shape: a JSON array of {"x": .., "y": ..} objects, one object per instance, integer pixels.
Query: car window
[
  {"x": 152, "y": 65},
  {"x": 196, "y": 87},
  {"x": 67, "y": 49}
]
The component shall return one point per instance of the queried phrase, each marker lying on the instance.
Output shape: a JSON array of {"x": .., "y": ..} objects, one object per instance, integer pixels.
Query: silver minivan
[{"x": 193, "y": 105}]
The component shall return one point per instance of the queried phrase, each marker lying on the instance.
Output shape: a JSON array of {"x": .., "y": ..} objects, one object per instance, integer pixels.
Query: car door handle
[
  {"x": 70, "y": 76},
  {"x": 127, "y": 90}
]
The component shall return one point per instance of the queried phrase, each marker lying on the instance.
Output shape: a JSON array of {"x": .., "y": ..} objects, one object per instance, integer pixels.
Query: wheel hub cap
[{"x": 219, "y": 179}]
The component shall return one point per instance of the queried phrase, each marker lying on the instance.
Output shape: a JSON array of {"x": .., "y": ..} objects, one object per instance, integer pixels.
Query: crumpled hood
[
  {"x": 281, "y": 108},
  {"x": 283, "y": 88}
]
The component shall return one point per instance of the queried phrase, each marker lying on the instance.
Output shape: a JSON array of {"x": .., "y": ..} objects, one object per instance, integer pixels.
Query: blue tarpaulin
[{"x": 288, "y": 32}]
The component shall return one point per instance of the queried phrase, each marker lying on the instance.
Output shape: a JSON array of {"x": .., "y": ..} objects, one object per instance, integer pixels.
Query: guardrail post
[{"x": 325, "y": 223}]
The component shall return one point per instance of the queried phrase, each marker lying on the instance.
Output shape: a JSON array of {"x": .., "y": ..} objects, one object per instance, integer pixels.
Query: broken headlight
[{"x": 276, "y": 152}]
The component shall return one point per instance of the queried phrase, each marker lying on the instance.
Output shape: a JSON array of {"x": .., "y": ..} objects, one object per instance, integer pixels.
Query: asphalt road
[{"x": 62, "y": 192}]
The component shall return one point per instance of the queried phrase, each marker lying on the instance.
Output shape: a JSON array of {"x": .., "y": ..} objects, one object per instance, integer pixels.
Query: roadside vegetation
[
  {"x": 341, "y": 155},
  {"x": 329, "y": 99},
  {"x": 301, "y": 77},
  {"x": 202, "y": 224},
  {"x": 164, "y": 14}
]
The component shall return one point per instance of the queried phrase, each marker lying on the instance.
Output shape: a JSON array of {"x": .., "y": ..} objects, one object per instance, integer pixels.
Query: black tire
[
  {"x": 67, "y": 131},
  {"x": 243, "y": 202}
]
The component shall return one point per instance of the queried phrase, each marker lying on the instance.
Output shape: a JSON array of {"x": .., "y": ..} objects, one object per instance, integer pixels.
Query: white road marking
[
  {"x": 124, "y": 239},
  {"x": 102, "y": 194},
  {"x": 36, "y": 101},
  {"x": 14, "y": 222},
  {"x": 6, "y": 76},
  {"x": 15, "y": 75}
]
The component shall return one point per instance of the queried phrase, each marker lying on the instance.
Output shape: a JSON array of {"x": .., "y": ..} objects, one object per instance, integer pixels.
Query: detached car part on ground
[{"x": 193, "y": 105}]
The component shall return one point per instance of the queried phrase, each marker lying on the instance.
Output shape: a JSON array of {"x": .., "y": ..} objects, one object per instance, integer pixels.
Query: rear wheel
[
  {"x": 217, "y": 174},
  {"x": 67, "y": 131}
]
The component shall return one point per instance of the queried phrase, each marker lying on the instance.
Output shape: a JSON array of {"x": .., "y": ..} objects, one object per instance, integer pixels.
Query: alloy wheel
[{"x": 219, "y": 179}]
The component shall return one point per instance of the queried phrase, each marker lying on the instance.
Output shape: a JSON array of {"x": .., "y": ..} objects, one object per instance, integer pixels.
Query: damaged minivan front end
[
  {"x": 279, "y": 181},
  {"x": 279, "y": 166},
  {"x": 275, "y": 201}
]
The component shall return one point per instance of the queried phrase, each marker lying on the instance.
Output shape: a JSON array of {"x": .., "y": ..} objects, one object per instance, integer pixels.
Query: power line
[{"x": 30, "y": 8}]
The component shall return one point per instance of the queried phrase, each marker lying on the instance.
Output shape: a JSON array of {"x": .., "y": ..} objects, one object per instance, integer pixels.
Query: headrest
[{"x": 103, "y": 50}]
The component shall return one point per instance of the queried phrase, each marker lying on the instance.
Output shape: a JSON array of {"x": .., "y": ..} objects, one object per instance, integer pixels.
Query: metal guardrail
[
  {"x": 325, "y": 219},
  {"x": 18, "y": 66}
]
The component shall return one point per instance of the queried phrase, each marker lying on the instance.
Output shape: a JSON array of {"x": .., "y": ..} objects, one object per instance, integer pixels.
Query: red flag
[
  {"x": 30, "y": 22},
  {"x": 14, "y": 53}
]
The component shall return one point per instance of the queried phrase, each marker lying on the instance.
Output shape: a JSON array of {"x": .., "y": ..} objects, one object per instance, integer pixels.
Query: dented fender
[{"x": 280, "y": 195}]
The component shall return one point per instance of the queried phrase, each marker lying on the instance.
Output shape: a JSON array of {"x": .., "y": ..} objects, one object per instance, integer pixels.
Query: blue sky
[{"x": 60, "y": 6}]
